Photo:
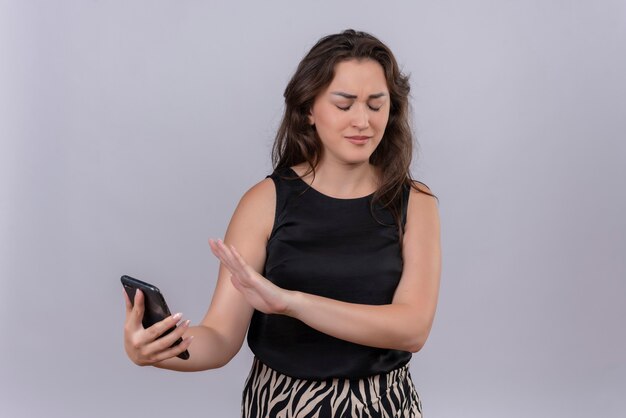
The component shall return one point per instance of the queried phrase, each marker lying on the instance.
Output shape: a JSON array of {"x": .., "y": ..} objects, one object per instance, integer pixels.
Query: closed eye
[{"x": 346, "y": 108}]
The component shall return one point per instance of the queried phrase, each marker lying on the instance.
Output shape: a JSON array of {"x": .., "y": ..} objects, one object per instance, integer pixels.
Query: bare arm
[
  {"x": 220, "y": 335},
  {"x": 404, "y": 324}
]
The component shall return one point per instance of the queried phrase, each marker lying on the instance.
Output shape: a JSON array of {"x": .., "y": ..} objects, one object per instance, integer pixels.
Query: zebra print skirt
[{"x": 268, "y": 393}]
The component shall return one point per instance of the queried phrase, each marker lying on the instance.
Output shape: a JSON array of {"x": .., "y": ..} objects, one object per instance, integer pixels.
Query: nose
[{"x": 360, "y": 118}]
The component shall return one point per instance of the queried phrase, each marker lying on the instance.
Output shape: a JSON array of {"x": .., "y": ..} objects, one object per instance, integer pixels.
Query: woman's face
[{"x": 350, "y": 116}]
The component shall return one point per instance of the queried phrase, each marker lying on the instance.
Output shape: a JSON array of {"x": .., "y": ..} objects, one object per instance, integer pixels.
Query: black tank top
[{"x": 336, "y": 248}]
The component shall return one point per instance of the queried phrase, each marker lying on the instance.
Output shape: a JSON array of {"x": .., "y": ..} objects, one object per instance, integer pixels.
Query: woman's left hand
[{"x": 260, "y": 293}]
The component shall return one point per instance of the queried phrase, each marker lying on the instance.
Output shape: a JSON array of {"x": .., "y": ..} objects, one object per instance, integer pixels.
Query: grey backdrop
[{"x": 129, "y": 130}]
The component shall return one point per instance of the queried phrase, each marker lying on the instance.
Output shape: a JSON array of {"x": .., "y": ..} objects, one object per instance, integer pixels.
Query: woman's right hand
[{"x": 143, "y": 345}]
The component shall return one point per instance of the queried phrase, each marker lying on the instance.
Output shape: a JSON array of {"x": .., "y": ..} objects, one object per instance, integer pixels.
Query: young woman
[{"x": 332, "y": 263}]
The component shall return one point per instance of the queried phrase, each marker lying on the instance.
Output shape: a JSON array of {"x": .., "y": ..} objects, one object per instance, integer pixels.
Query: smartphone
[{"x": 155, "y": 307}]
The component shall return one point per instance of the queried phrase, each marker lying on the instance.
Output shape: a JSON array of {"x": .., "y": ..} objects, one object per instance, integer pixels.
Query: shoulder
[
  {"x": 261, "y": 193},
  {"x": 421, "y": 192},
  {"x": 256, "y": 207},
  {"x": 422, "y": 206},
  {"x": 418, "y": 187}
]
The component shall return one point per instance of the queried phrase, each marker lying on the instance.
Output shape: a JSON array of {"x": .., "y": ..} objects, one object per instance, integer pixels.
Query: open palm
[{"x": 260, "y": 293}]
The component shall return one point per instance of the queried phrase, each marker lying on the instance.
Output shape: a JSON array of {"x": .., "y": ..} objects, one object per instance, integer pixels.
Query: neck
[{"x": 342, "y": 180}]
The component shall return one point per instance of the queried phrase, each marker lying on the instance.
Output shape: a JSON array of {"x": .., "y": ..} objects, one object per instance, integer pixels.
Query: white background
[{"x": 129, "y": 130}]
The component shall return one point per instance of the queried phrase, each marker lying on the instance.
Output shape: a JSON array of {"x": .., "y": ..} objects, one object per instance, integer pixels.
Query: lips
[{"x": 358, "y": 139}]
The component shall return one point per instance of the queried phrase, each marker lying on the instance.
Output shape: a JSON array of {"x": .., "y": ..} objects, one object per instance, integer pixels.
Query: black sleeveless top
[{"x": 336, "y": 248}]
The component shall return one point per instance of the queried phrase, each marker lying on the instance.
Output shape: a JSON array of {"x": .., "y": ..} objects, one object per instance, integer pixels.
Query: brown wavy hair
[{"x": 297, "y": 141}]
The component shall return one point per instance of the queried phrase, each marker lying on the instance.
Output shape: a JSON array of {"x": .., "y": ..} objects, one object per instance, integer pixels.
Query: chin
[{"x": 357, "y": 160}]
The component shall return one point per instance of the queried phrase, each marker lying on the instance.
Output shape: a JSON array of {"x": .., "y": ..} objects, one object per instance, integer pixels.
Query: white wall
[{"x": 129, "y": 130}]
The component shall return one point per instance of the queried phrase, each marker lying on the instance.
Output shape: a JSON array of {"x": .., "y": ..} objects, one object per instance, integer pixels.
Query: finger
[
  {"x": 166, "y": 341},
  {"x": 230, "y": 258},
  {"x": 173, "y": 351},
  {"x": 144, "y": 338},
  {"x": 226, "y": 257},
  {"x": 129, "y": 305},
  {"x": 243, "y": 267},
  {"x": 162, "y": 349},
  {"x": 238, "y": 256},
  {"x": 217, "y": 250},
  {"x": 155, "y": 331},
  {"x": 223, "y": 251},
  {"x": 138, "y": 307},
  {"x": 236, "y": 282},
  {"x": 213, "y": 246},
  {"x": 217, "y": 246}
]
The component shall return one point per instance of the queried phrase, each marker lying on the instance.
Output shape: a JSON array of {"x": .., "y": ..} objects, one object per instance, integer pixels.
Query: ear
[{"x": 311, "y": 118}]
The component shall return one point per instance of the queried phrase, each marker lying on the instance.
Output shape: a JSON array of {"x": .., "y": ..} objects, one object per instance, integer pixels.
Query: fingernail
[
  {"x": 178, "y": 316},
  {"x": 186, "y": 323}
]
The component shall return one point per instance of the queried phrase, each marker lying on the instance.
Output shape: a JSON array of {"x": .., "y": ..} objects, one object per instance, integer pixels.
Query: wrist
[{"x": 293, "y": 303}]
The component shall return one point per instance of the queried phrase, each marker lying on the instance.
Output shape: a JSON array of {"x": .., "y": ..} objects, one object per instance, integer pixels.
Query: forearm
[
  {"x": 403, "y": 324},
  {"x": 394, "y": 326},
  {"x": 208, "y": 350}
]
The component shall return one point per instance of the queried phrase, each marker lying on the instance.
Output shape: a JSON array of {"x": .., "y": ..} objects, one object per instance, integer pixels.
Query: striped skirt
[{"x": 270, "y": 394}]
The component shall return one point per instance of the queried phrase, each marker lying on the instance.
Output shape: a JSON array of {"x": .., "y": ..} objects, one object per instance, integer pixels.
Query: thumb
[
  {"x": 138, "y": 308},
  {"x": 129, "y": 305}
]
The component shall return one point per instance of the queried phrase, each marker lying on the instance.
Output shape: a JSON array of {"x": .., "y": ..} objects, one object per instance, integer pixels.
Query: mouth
[{"x": 358, "y": 139}]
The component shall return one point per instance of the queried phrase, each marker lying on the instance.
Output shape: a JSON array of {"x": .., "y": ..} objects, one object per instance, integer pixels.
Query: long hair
[{"x": 297, "y": 141}]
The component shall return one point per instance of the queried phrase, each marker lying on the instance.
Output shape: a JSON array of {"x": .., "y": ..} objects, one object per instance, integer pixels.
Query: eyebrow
[{"x": 352, "y": 96}]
